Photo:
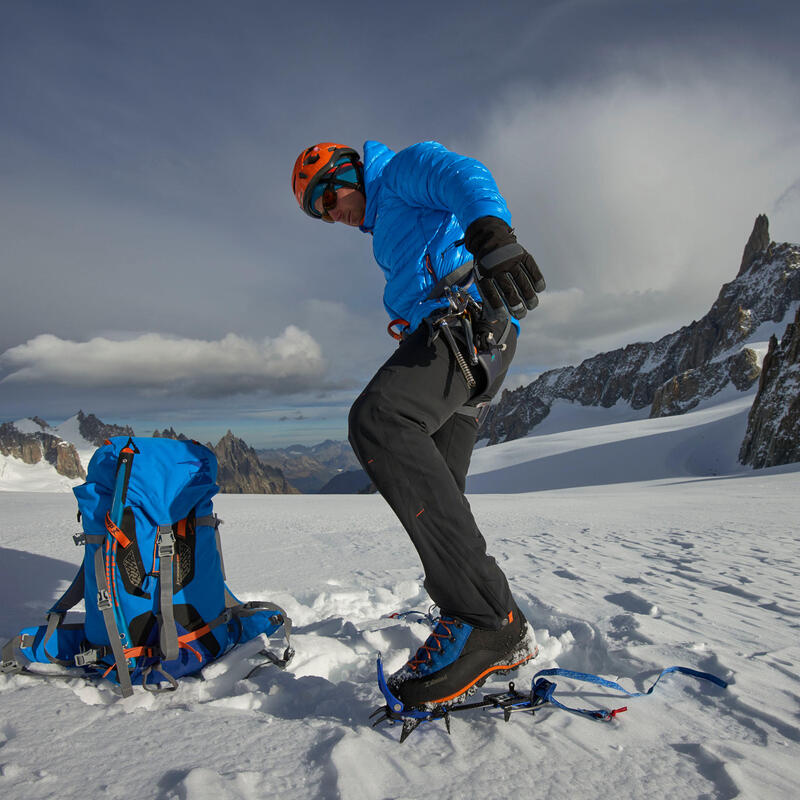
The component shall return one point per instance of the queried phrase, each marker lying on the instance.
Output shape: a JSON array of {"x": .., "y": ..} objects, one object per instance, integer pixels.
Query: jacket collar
[{"x": 376, "y": 156}]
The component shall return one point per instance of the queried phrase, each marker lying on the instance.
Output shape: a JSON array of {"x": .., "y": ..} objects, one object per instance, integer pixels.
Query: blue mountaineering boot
[{"x": 457, "y": 656}]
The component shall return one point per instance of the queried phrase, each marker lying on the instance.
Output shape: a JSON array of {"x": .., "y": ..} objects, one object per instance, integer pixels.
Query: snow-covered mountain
[
  {"x": 675, "y": 373},
  {"x": 35, "y": 456}
]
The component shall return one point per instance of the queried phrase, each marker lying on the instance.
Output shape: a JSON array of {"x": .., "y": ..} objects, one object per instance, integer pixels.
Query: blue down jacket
[{"x": 419, "y": 203}]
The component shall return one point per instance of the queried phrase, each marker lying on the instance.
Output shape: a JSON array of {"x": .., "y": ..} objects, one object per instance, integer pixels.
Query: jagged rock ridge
[
  {"x": 96, "y": 432},
  {"x": 773, "y": 426},
  {"x": 679, "y": 369},
  {"x": 31, "y": 448}
]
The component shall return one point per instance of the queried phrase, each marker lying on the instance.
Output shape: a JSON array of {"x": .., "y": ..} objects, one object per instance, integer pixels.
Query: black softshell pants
[{"x": 416, "y": 448}]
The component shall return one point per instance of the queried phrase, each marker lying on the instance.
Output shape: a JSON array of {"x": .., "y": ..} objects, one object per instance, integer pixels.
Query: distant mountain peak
[
  {"x": 757, "y": 244},
  {"x": 95, "y": 431}
]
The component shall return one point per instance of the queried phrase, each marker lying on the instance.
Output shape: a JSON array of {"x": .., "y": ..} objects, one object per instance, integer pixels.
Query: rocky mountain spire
[{"x": 758, "y": 242}]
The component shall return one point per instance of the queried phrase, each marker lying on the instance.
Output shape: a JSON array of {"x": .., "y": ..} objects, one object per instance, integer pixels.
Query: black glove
[{"x": 507, "y": 274}]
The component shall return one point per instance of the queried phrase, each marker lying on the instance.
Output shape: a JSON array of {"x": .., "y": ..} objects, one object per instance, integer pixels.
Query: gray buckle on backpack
[
  {"x": 27, "y": 640},
  {"x": 166, "y": 542},
  {"x": 7, "y": 667},
  {"x": 103, "y": 601},
  {"x": 89, "y": 656},
  {"x": 79, "y": 538}
]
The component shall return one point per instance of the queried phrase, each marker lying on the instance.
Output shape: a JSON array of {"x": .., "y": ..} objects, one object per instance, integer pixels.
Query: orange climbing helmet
[{"x": 318, "y": 166}]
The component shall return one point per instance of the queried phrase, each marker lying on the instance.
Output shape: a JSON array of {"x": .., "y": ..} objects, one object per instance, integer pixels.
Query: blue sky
[{"x": 155, "y": 266}]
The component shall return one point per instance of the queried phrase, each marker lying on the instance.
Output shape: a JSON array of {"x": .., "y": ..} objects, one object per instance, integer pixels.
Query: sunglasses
[
  {"x": 344, "y": 175},
  {"x": 329, "y": 200}
]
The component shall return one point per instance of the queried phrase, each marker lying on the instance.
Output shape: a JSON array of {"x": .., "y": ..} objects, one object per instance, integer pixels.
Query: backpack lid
[{"x": 169, "y": 477}]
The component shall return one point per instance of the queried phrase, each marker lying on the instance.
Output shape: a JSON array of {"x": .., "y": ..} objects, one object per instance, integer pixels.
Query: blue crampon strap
[{"x": 546, "y": 689}]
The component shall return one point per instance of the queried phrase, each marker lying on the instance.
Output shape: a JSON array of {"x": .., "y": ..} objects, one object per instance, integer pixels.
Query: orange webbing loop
[
  {"x": 182, "y": 528},
  {"x": 191, "y": 649},
  {"x": 190, "y": 637},
  {"x": 116, "y": 532},
  {"x": 397, "y": 334}
]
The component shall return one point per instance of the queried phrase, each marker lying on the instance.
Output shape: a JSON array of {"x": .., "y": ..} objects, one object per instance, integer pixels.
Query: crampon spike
[{"x": 409, "y": 726}]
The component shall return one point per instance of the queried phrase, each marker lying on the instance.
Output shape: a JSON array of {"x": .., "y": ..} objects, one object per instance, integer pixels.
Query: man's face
[{"x": 349, "y": 209}]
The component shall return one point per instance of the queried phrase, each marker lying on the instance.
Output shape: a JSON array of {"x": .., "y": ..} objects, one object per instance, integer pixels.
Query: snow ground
[
  {"x": 643, "y": 562},
  {"x": 17, "y": 476},
  {"x": 594, "y": 452}
]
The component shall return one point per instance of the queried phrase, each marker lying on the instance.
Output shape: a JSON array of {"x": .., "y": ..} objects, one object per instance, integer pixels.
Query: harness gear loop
[{"x": 399, "y": 335}]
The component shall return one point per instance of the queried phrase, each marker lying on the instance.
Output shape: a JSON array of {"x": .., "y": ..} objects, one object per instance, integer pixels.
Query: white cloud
[
  {"x": 157, "y": 364},
  {"x": 636, "y": 192}
]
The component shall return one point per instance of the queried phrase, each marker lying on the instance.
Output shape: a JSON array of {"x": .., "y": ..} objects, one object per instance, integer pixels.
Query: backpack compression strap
[
  {"x": 168, "y": 633},
  {"x": 107, "y": 610}
]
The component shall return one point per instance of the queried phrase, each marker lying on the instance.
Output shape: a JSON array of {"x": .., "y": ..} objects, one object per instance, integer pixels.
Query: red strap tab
[{"x": 116, "y": 532}]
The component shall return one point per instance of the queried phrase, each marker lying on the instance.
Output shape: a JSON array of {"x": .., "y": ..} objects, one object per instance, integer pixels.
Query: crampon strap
[{"x": 545, "y": 690}]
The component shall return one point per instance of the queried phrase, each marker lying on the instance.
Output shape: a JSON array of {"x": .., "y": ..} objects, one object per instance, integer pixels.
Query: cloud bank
[
  {"x": 637, "y": 191},
  {"x": 162, "y": 365}
]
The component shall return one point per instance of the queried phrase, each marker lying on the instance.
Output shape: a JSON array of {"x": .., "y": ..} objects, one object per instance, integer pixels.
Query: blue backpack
[{"x": 152, "y": 579}]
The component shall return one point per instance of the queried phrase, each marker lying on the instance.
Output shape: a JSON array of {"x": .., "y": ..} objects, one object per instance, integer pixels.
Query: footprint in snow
[{"x": 634, "y": 604}]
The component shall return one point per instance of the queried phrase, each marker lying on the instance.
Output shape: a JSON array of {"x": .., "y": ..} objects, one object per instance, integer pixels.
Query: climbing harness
[{"x": 471, "y": 352}]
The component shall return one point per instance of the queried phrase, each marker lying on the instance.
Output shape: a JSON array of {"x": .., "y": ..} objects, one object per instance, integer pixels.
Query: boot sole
[{"x": 481, "y": 679}]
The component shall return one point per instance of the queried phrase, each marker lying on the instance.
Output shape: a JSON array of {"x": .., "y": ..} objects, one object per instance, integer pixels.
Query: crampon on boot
[{"x": 456, "y": 657}]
